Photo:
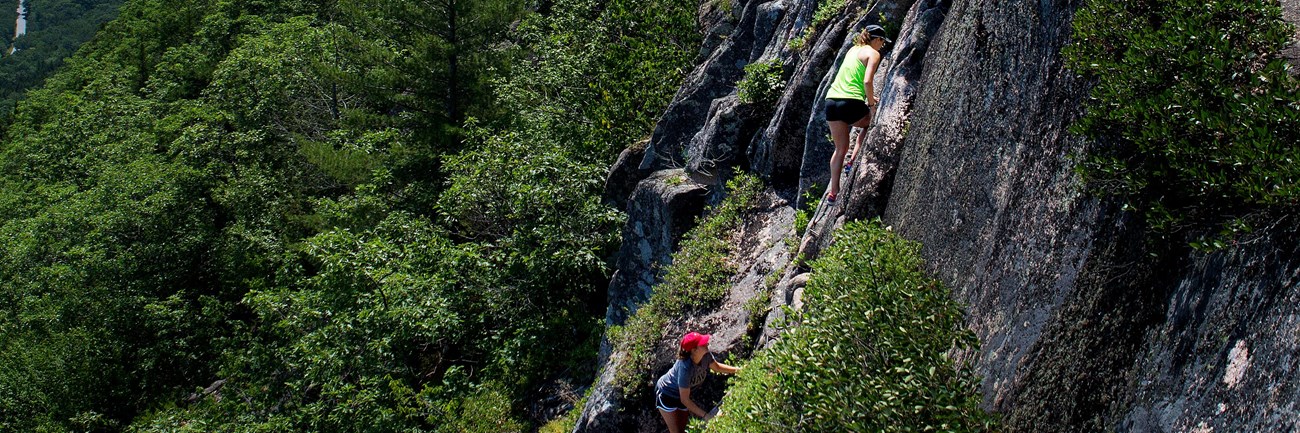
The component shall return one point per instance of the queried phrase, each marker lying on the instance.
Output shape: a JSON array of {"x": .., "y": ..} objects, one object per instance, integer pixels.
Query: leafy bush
[
  {"x": 798, "y": 43},
  {"x": 725, "y": 6},
  {"x": 1197, "y": 119},
  {"x": 763, "y": 83},
  {"x": 868, "y": 353},
  {"x": 598, "y": 74},
  {"x": 803, "y": 216},
  {"x": 824, "y": 13},
  {"x": 696, "y": 280}
]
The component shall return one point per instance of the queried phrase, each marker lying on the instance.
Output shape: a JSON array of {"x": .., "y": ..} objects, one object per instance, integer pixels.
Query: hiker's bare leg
[
  {"x": 840, "y": 134},
  {"x": 672, "y": 420},
  {"x": 683, "y": 419},
  {"x": 862, "y": 134},
  {"x": 852, "y": 151}
]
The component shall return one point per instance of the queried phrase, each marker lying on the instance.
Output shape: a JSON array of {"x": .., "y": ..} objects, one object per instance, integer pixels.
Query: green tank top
[{"x": 848, "y": 81}]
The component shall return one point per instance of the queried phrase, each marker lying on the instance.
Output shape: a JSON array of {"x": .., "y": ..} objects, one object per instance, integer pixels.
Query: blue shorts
[
  {"x": 846, "y": 110},
  {"x": 668, "y": 403}
]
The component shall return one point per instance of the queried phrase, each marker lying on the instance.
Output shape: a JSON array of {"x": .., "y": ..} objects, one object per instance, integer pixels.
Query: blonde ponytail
[{"x": 863, "y": 38}]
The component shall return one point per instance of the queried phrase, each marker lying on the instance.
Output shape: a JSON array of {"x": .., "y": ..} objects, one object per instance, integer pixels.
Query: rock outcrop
[
  {"x": 1087, "y": 320},
  {"x": 665, "y": 205}
]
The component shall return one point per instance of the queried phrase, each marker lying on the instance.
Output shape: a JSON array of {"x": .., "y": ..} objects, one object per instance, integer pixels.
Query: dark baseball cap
[{"x": 877, "y": 32}]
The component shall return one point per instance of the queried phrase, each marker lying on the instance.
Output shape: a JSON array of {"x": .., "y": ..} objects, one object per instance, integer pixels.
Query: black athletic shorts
[
  {"x": 668, "y": 403},
  {"x": 846, "y": 110}
]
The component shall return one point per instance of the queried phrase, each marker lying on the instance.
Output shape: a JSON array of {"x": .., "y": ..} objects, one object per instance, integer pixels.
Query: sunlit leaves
[{"x": 869, "y": 353}]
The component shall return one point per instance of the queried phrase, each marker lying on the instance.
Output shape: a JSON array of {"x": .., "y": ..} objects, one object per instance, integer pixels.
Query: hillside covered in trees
[
  {"x": 345, "y": 215},
  {"x": 52, "y": 31}
]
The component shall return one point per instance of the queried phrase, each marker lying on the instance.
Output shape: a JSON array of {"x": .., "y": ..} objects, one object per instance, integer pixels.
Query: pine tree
[{"x": 433, "y": 57}]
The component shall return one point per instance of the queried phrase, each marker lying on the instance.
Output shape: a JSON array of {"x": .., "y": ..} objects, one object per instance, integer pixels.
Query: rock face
[
  {"x": 984, "y": 180},
  {"x": 760, "y": 250},
  {"x": 666, "y": 205},
  {"x": 1228, "y": 332},
  {"x": 1087, "y": 321}
]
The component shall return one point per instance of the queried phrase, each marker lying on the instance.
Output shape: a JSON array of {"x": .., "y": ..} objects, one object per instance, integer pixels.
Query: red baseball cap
[{"x": 694, "y": 339}]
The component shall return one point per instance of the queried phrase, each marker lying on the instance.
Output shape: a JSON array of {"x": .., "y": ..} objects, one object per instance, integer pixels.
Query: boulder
[{"x": 720, "y": 143}]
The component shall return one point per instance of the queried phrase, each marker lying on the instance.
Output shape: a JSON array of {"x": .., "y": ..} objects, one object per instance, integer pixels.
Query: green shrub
[
  {"x": 697, "y": 280},
  {"x": 763, "y": 83},
  {"x": 565, "y": 423},
  {"x": 803, "y": 216},
  {"x": 824, "y": 13},
  {"x": 798, "y": 43},
  {"x": 1196, "y": 116},
  {"x": 724, "y": 5},
  {"x": 283, "y": 196},
  {"x": 868, "y": 353}
]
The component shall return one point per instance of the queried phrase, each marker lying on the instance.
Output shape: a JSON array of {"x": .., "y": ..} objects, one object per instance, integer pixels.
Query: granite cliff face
[{"x": 1087, "y": 321}]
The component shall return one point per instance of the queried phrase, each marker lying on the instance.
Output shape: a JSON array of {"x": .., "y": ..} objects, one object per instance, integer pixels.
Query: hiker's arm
[
  {"x": 690, "y": 404},
  {"x": 723, "y": 368},
  {"x": 868, "y": 80}
]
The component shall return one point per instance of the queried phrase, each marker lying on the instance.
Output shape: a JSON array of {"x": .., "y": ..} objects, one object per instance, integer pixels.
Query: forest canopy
[
  {"x": 351, "y": 215},
  {"x": 54, "y": 30}
]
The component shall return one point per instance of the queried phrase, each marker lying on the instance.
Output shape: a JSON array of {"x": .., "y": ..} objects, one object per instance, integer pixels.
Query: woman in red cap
[{"x": 673, "y": 391}]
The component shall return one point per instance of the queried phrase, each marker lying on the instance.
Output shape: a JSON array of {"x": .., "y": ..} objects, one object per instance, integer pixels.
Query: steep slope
[{"x": 1088, "y": 320}]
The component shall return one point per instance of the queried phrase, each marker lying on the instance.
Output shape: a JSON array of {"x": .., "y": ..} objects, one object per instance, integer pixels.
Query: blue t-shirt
[{"x": 684, "y": 374}]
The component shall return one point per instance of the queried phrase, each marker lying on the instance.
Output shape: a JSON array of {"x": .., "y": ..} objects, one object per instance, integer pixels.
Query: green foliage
[
  {"x": 763, "y": 83},
  {"x": 1197, "y": 118},
  {"x": 599, "y": 73},
  {"x": 824, "y": 13},
  {"x": 109, "y": 280},
  {"x": 565, "y": 423},
  {"x": 350, "y": 161},
  {"x": 55, "y": 28},
  {"x": 433, "y": 60},
  {"x": 758, "y": 308},
  {"x": 726, "y": 6},
  {"x": 798, "y": 43},
  {"x": 803, "y": 216},
  {"x": 868, "y": 353},
  {"x": 281, "y": 195},
  {"x": 696, "y": 280},
  {"x": 507, "y": 188}
]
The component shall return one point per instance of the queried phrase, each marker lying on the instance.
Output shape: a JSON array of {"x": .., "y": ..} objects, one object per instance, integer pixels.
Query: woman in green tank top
[{"x": 851, "y": 97}]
